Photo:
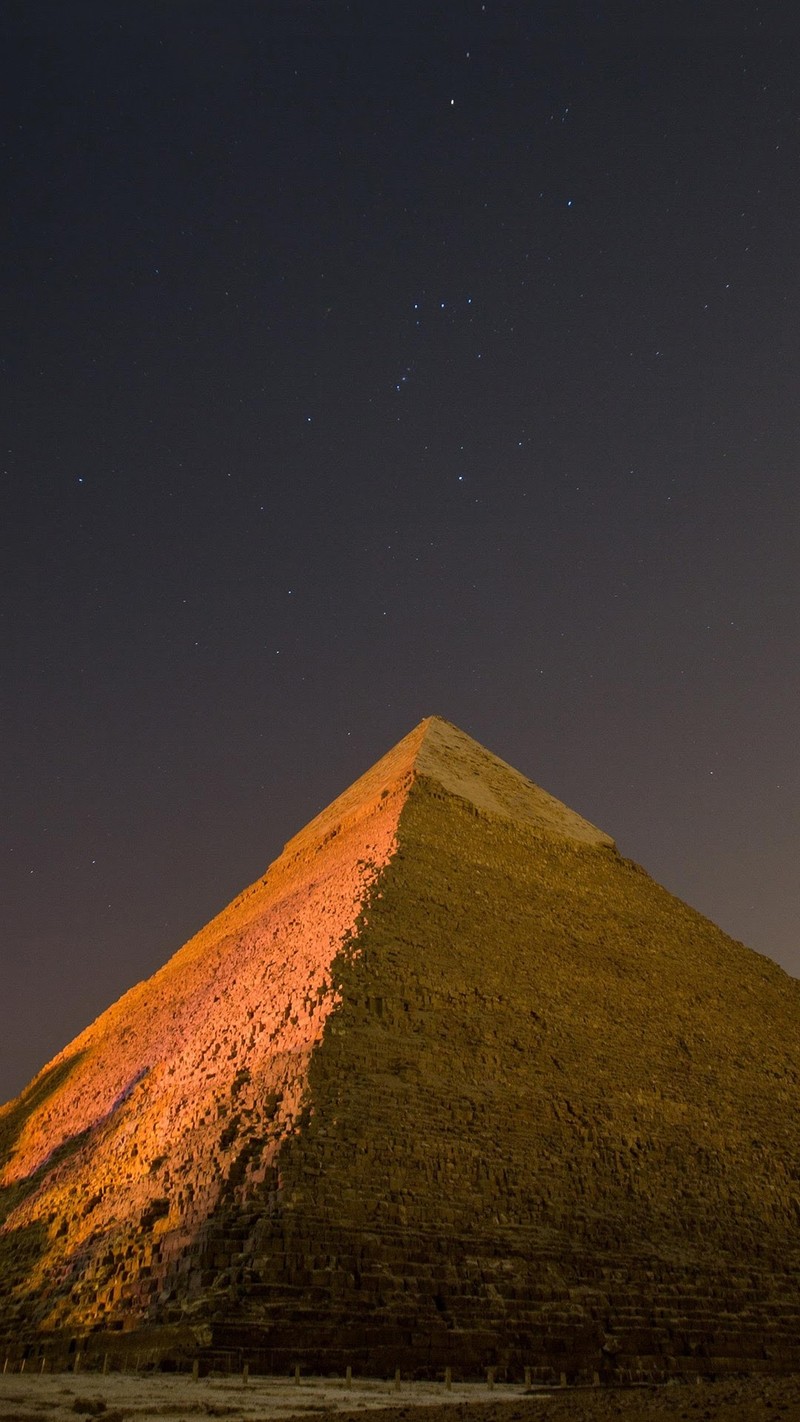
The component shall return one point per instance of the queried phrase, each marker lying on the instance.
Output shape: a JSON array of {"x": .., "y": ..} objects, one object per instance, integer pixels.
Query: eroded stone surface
[
  {"x": 182, "y": 1093},
  {"x": 454, "y": 1084}
]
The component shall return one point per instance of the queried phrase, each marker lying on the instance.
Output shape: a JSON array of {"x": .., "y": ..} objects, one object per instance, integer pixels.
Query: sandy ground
[{"x": 55, "y": 1398}]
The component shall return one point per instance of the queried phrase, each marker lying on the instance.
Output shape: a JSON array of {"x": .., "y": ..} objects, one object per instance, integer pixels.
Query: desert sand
[{"x": 57, "y": 1397}]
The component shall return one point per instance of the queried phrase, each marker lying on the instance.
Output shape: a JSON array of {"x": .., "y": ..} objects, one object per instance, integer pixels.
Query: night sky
[{"x": 376, "y": 360}]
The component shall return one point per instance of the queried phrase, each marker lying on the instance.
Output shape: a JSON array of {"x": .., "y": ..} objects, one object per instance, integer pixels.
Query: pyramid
[{"x": 453, "y": 1084}]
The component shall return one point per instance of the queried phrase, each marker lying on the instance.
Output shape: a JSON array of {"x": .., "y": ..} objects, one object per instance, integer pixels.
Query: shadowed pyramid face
[{"x": 451, "y": 1061}]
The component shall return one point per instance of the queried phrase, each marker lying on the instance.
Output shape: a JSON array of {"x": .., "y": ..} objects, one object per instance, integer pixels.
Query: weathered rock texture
[{"x": 454, "y": 1083}]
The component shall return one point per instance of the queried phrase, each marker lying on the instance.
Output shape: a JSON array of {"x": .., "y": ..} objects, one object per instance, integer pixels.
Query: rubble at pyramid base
[{"x": 656, "y": 1324}]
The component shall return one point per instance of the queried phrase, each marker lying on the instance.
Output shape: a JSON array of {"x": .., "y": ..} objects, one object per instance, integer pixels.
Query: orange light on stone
[{"x": 188, "y": 1086}]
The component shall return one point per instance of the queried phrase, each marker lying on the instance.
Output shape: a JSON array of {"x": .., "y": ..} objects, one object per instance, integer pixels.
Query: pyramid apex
[{"x": 437, "y": 750}]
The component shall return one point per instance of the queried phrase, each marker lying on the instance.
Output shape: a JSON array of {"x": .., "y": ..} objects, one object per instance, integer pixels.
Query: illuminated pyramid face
[{"x": 453, "y": 1082}]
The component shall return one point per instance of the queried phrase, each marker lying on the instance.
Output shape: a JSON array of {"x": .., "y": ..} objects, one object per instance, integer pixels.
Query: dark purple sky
[{"x": 365, "y": 361}]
